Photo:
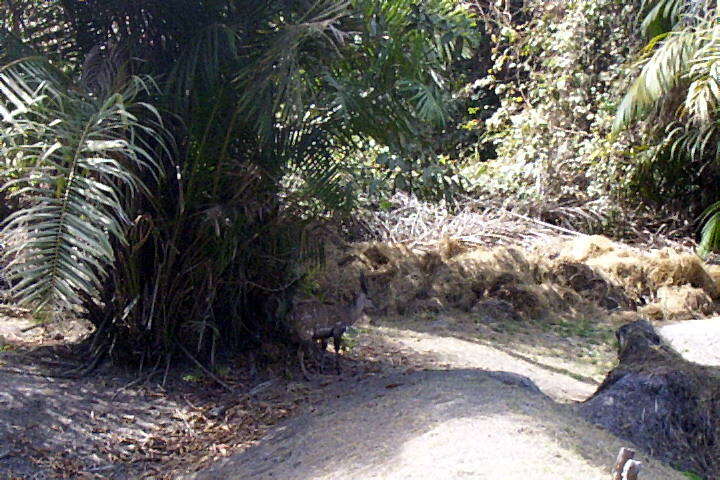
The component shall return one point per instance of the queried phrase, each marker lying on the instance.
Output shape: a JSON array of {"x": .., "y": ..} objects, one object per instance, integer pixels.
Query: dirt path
[
  {"x": 448, "y": 352},
  {"x": 461, "y": 409},
  {"x": 696, "y": 340},
  {"x": 421, "y": 400}
]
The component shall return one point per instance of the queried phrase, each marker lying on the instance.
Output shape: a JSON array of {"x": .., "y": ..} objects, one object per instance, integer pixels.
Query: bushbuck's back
[{"x": 311, "y": 315}]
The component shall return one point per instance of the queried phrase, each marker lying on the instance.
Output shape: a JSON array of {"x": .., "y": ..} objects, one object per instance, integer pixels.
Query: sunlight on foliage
[
  {"x": 72, "y": 158},
  {"x": 678, "y": 88}
]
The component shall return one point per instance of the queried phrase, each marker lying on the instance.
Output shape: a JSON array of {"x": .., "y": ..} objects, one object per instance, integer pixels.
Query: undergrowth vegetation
[
  {"x": 178, "y": 230},
  {"x": 558, "y": 69},
  {"x": 169, "y": 175}
]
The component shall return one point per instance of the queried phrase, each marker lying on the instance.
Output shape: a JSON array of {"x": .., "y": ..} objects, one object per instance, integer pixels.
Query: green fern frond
[
  {"x": 710, "y": 235},
  {"x": 70, "y": 157}
]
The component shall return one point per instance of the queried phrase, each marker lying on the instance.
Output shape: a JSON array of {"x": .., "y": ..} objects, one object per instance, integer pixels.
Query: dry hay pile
[
  {"x": 584, "y": 274},
  {"x": 664, "y": 284}
]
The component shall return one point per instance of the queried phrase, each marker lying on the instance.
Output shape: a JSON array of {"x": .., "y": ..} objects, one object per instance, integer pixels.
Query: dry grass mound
[
  {"x": 586, "y": 274},
  {"x": 664, "y": 284}
]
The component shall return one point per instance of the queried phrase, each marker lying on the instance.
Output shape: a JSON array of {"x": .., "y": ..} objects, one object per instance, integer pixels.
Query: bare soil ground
[
  {"x": 423, "y": 396},
  {"x": 697, "y": 340},
  {"x": 426, "y": 425},
  {"x": 460, "y": 409}
]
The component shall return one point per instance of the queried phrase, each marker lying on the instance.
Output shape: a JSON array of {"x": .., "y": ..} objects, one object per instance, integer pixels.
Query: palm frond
[
  {"x": 42, "y": 26},
  {"x": 427, "y": 101},
  {"x": 710, "y": 235},
  {"x": 280, "y": 85},
  {"x": 212, "y": 51},
  {"x": 702, "y": 99},
  {"x": 314, "y": 171},
  {"x": 703, "y": 93},
  {"x": 689, "y": 143},
  {"x": 660, "y": 16},
  {"x": 70, "y": 157},
  {"x": 662, "y": 71}
]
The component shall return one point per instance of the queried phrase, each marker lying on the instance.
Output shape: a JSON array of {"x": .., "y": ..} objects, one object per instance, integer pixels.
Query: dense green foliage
[
  {"x": 170, "y": 160},
  {"x": 177, "y": 212},
  {"x": 569, "y": 148},
  {"x": 677, "y": 93},
  {"x": 557, "y": 71}
]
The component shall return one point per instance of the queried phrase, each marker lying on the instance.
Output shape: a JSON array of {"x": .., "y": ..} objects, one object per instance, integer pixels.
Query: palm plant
[
  {"x": 661, "y": 16},
  {"x": 678, "y": 89},
  {"x": 72, "y": 156},
  {"x": 264, "y": 100},
  {"x": 682, "y": 59}
]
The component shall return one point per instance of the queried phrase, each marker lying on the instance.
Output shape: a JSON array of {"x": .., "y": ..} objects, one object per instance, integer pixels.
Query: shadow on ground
[
  {"x": 452, "y": 424},
  {"x": 57, "y": 426},
  {"x": 453, "y": 342}
]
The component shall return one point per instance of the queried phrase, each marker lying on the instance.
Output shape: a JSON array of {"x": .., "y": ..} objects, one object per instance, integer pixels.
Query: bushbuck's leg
[
  {"x": 323, "y": 351},
  {"x": 337, "y": 343},
  {"x": 301, "y": 360}
]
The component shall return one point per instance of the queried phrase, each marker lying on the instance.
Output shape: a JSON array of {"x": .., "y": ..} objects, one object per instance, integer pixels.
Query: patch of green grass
[
  {"x": 584, "y": 327},
  {"x": 351, "y": 338},
  {"x": 508, "y": 327},
  {"x": 692, "y": 476},
  {"x": 427, "y": 316},
  {"x": 197, "y": 376}
]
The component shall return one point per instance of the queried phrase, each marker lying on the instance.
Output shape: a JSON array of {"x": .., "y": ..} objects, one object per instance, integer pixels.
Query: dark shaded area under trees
[{"x": 242, "y": 117}]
